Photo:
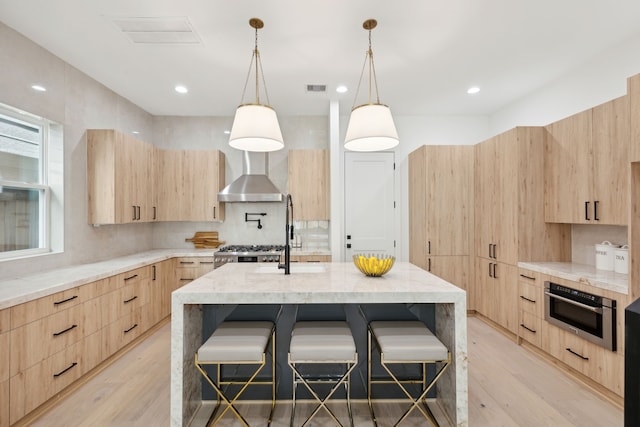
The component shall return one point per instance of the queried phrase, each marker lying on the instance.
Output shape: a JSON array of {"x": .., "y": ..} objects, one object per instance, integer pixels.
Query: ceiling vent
[
  {"x": 157, "y": 30},
  {"x": 317, "y": 88}
]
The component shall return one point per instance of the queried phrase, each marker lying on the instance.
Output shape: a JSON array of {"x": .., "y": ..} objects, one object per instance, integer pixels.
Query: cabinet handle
[
  {"x": 429, "y": 265},
  {"x": 528, "y": 299},
  {"x": 495, "y": 276},
  {"x": 139, "y": 213},
  {"x": 206, "y": 262},
  {"x": 130, "y": 277},
  {"x": 490, "y": 274},
  {"x": 214, "y": 212},
  {"x": 595, "y": 210},
  {"x": 576, "y": 354},
  {"x": 153, "y": 274},
  {"x": 429, "y": 247},
  {"x": 187, "y": 262},
  {"x": 586, "y": 211},
  {"x": 528, "y": 329},
  {"x": 495, "y": 251},
  {"x": 134, "y": 213},
  {"x": 56, "y": 334},
  {"x": 186, "y": 280},
  {"x": 65, "y": 370},
  {"x": 527, "y": 277},
  {"x": 65, "y": 300},
  {"x": 130, "y": 299},
  {"x": 490, "y": 251},
  {"x": 154, "y": 212},
  {"x": 135, "y": 325}
]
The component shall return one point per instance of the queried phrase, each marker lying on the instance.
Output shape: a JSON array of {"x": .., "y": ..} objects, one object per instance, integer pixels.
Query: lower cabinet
[
  {"x": 4, "y": 404},
  {"x": 4, "y": 367},
  {"x": 190, "y": 268},
  {"x": 454, "y": 269},
  {"x": 497, "y": 292},
  {"x": 597, "y": 363}
]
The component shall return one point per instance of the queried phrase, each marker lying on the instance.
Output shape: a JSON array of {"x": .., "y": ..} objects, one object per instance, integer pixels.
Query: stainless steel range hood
[{"x": 253, "y": 185}]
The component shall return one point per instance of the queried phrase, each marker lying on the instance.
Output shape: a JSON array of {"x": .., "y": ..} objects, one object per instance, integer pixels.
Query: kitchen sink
[{"x": 295, "y": 268}]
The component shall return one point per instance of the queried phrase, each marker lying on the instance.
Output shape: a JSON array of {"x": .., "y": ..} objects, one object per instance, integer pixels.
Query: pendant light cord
[
  {"x": 373, "y": 81},
  {"x": 255, "y": 58}
]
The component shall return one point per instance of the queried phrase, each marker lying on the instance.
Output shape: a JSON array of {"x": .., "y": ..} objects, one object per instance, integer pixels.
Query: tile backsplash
[{"x": 585, "y": 237}]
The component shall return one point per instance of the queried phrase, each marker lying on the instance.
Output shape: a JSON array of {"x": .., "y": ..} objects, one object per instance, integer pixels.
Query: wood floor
[{"x": 508, "y": 386}]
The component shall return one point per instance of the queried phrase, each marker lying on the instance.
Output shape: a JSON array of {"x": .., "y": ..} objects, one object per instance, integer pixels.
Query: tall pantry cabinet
[
  {"x": 441, "y": 212},
  {"x": 509, "y": 220}
]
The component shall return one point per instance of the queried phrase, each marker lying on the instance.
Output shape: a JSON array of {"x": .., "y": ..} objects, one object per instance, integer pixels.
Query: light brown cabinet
[
  {"x": 441, "y": 211},
  {"x": 586, "y": 166},
  {"x": 508, "y": 195},
  {"x": 188, "y": 185},
  {"x": 119, "y": 178},
  {"x": 309, "y": 184},
  {"x": 310, "y": 258},
  {"x": 190, "y": 268},
  {"x": 5, "y": 352},
  {"x": 530, "y": 307},
  {"x": 633, "y": 91}
]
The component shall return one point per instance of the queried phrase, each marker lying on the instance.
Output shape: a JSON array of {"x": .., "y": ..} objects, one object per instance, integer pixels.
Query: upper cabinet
[
  {"x": 119, "y": 178},
  {"x": 132, "y": 181},
  {"x": 633, "y": 90},
  {"x": 309, "y": 184},
  {"x": 586, "y": 166},
  {"x": 508, "y": 197},
  {"x": 188, "y": 185}
]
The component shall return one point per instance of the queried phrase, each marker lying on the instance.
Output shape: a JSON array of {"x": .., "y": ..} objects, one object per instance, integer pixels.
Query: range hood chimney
[{"x": 253, "y": 185}]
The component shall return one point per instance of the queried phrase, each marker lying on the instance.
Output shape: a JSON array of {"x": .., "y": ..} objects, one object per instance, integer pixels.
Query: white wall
[{"x": 79, "y": 102}]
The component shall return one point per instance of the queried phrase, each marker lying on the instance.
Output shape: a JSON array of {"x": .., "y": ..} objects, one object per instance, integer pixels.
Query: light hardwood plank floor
[{"x": 508, "y": 386}]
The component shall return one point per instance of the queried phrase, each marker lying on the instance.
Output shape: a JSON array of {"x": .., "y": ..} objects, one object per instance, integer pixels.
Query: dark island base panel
[{"x": 213, "y": 315}]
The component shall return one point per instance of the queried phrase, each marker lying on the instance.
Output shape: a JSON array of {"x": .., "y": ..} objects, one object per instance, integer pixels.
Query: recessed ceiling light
[
  {"x": 473, "y": 90},
  {"x": 39, "y": 88},
  {"x": 181, "y": 89},
  {"x": 227, "y": 132},
  {"x": 342, "y": 89},
  {"x": 135, "y": 132}
]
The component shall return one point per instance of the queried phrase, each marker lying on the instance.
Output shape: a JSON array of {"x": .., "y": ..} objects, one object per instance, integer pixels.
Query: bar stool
[
  {"x": 238, "y": 343},
  {"x": 322, "y": 342},
  {"x": 402, "y": 342}
]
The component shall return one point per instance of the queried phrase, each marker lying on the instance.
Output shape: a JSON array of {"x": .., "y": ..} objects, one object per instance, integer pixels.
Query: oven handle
[{"x": 579, "y": 304}]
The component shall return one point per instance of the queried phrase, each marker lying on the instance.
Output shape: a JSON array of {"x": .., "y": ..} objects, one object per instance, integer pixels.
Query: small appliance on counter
[
  {"x": 247, "y": 253},
  {"x": 605, "y": 256}
]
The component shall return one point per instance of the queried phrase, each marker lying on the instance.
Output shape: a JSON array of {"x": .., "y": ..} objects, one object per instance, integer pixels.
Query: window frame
[{"x": 42, "y": 187}]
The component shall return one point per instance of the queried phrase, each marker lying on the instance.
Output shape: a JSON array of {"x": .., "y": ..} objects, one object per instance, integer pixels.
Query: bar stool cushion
[
  {"x": 321, "y": 341},
  {"x": 236, "y": 342},
  {"x": 409, "y": 340}
]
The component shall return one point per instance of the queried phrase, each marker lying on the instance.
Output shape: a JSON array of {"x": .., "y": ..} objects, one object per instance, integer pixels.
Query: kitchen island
[{"x": 317, "y": 283}]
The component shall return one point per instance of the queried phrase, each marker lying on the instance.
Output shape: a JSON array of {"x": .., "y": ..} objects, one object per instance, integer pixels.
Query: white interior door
[{"x": 369, "y": 203}]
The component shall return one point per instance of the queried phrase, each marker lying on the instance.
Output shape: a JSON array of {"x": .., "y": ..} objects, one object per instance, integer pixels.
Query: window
[{"x": 25, "y": 183}]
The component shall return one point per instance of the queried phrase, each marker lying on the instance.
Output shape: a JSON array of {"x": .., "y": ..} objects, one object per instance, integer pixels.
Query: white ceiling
[{"x": 427, "y": 53}]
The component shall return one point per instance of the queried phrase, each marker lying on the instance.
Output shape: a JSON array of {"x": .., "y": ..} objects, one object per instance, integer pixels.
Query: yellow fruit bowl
[{"x": 372, "y": 265}]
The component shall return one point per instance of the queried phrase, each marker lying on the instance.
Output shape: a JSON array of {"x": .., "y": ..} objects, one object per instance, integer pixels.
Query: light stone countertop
[
  {"x": 340, "y": 282},
  {"x": 26, "y": 288},
  {"x": 586, "y": 274},
  {"x": 337, "y": 283}
]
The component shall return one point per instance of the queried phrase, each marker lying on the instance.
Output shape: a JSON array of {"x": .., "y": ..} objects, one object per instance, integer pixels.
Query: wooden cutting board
[{"x": 205, "y": 240}]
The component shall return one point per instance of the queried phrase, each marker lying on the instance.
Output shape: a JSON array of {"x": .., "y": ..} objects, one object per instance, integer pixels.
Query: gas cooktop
[{"x": 250, "y": 249}]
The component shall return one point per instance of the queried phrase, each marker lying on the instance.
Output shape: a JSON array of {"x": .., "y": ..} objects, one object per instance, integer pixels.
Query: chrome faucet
[{"x": 288, "y": 231}]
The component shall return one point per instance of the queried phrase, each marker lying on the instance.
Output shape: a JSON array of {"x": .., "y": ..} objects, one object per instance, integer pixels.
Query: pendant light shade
[
  {"x": 256, "y": 128},
  {"x": 371, "y": 126},
  {"x": 255, "y": 125}
]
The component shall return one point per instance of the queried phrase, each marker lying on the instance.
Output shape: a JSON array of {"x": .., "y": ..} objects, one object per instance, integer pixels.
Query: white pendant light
[
  {"x": 255, "y": 125},
  {"x": 371, "y": 126}
]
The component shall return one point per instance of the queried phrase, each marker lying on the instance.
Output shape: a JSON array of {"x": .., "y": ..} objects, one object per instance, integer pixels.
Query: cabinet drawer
[
  {"x": 530, "y": 328},
  {"x": 5, "y": 320},
  {"x": 4, "y": 403},
  {"x": 39, "y": 340},
  {"x": 125, "y": 300},
  {"x": 530, "y": 299},
  {"x": 4, "y": 357},
  {"x": 569, "y": 348},
  {"x": 133, "y": 276},
  {"x": 34, "y": 386},
  {"x": 121, "y": 332},
  {"x": 37, "y": 309}
]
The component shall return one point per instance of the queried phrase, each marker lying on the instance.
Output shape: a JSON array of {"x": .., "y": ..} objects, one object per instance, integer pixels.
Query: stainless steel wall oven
[{"x": 589, "y": 316}]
